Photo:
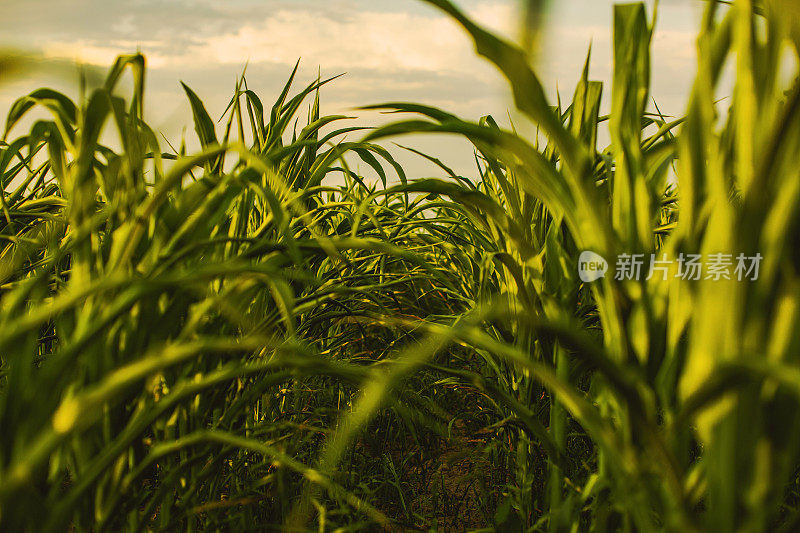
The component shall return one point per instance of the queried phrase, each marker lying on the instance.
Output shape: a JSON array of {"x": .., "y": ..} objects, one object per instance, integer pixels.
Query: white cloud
[
  {"x": 393, "y": 51},
  {"x": 385, "y": 41},
  {"x": 396, "y": 46},
  {"x": 89, "y": 52}
]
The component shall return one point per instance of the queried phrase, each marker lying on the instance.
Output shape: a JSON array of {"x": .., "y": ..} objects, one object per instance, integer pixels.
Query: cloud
[
  {"x": 387, "y": 41},
  {"x": 392, "y": 50},
  {"x": 91, "y": 53}
]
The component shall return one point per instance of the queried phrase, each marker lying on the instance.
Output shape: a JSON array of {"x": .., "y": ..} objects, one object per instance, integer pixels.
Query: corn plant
[
  {"x": 155, "y": 306},
  {"x": 686, "y": 377},
  {"x": 262, "y": 335}
]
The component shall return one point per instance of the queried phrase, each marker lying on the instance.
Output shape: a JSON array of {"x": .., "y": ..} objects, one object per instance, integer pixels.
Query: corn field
[{"x": 285, "y": 331}]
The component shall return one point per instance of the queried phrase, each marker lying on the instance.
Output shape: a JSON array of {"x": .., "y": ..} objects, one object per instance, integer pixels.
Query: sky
[{"x": 389, "y": 50}]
